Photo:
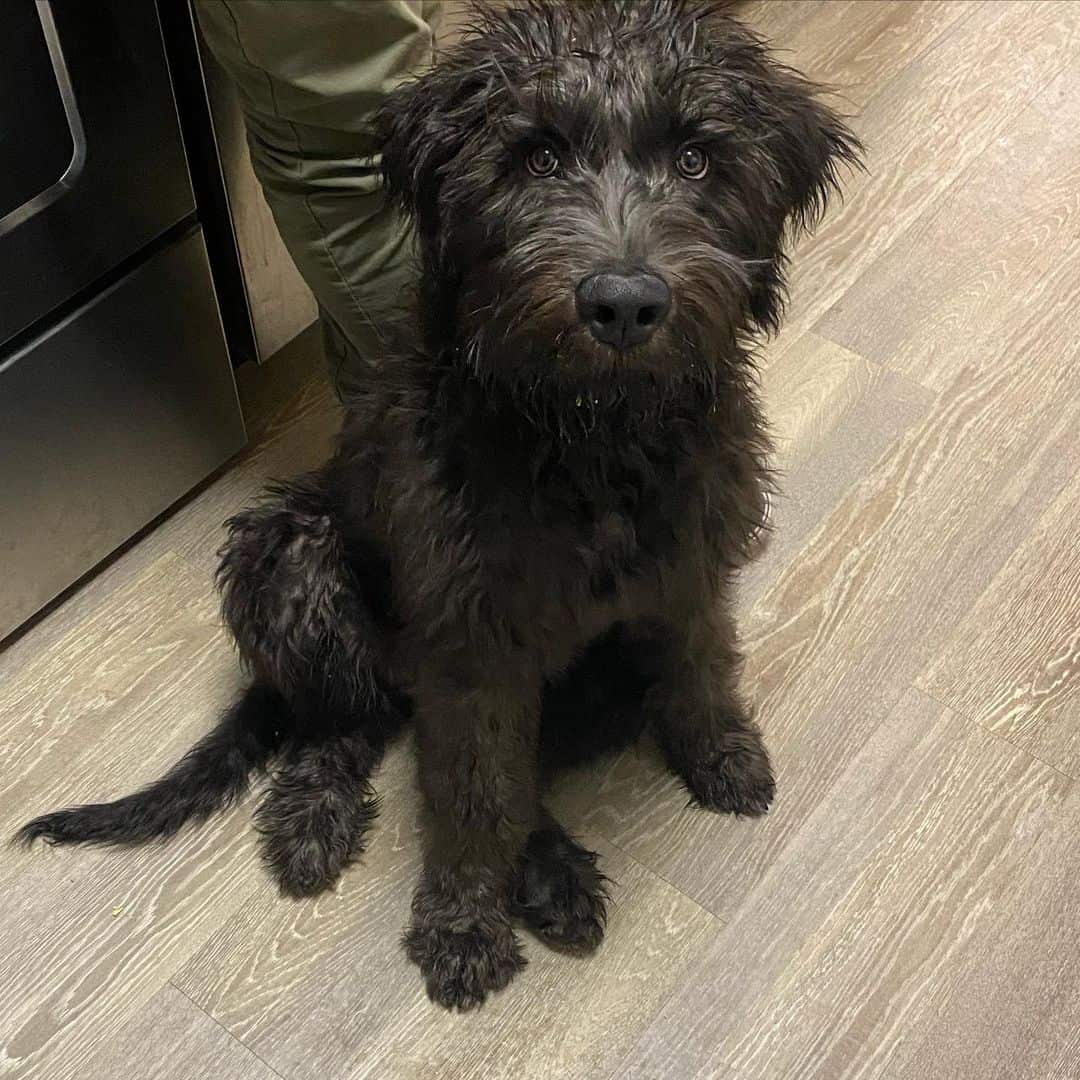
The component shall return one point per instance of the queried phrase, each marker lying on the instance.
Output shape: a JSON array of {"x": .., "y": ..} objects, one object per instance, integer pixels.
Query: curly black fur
[
  {"x": 315, "y": 812},
  {"x": 526, "y": 536}
]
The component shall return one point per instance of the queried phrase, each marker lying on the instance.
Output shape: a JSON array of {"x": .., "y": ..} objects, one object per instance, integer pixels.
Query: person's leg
[{"x": 310, "y": 73}]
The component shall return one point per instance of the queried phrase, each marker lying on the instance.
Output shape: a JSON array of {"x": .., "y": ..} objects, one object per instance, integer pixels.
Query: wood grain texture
[
  {"x": 872, "y": 923},
  {"x": 992, "y": 270},
  {"x": 855, "y": 49},
  {"x": 1013, "y": 664},
  {"x": 1014, "y": 1003},
  {"x": 832, "y": 414},
  {"x": 90, "y": 935},
  {"x": 923, "y": 128},
  {"x": 61, "y": 711},
  {"x": 806, "y": 389},
  {"x": 170, "y": 1039}
]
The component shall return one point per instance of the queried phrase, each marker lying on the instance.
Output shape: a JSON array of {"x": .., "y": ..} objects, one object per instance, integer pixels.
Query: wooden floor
[{"x": 911, "y": 908}]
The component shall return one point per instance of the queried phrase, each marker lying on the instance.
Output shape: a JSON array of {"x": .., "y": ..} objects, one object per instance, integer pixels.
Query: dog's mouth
[
  {"x": 571, "y": 352},
  {"x": 587, "y": 375}
]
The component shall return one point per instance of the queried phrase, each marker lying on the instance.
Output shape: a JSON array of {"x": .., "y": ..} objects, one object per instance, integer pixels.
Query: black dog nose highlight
[{"x": 623, "y": 309}]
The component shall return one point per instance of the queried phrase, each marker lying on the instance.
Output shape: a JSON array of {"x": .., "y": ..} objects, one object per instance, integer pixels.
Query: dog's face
[{"x": 607, "y": 188}]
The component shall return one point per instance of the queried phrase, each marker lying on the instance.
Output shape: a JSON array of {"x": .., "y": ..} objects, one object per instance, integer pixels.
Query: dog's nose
[{"x": 623, "y": 309}]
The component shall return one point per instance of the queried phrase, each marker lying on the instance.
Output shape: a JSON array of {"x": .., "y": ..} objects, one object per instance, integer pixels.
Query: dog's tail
[{"x": 213, "y": 774}]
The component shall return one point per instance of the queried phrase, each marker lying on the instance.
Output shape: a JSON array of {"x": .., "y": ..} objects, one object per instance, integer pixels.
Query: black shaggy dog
[{"x": 527, "y": 533}]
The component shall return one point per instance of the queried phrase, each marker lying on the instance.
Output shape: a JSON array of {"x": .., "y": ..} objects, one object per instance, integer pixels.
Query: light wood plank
[
  {"x": 90, "y": 935},
  {"x": 988, "y": 271},
  {"x": 119, "y": 674},
  {"x": 805, "y": 391},
  {"x": 1014, "y": 1004},
  {"x": 923, "y": 129},
  {"x": 1013, "y": 664},
  {"x": 833, "y": 414},
  {"x": 777, "y": 20},
  {"x": 882, "y": 911},
  {"x": 170, "y": 1039},
  {"x": 853, "y": 47}
]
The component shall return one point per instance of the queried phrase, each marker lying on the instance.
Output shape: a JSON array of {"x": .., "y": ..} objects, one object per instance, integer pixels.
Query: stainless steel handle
[{"x": 71, "y": 111}]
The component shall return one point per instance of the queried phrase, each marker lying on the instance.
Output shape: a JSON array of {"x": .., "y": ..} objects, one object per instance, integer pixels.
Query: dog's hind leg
[
  {"x": 294, "y": 600},
  {"x": 213, "y": 774},
  {"x": 317, "y": 810}
]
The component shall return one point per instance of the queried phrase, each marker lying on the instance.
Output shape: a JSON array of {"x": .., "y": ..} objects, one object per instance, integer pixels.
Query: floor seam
[
  {"x": 970, "y": 720},
  {"x": 217, "y": 1023}
]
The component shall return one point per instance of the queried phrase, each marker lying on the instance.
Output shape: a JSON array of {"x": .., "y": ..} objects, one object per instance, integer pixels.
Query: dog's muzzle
[{"x": 623, "y": 309}]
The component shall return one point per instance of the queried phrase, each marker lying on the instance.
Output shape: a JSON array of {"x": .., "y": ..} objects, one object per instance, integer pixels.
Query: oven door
[
  {"x": 92, "y": 166},
  {"x": 106, "y": 419}
]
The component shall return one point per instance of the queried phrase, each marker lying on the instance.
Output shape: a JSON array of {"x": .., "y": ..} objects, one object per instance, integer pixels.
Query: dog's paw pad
[
  {"x": 560, "y": 894},
  {"x": 461, "y": 967},
  {"x": 737, "y": 779}
]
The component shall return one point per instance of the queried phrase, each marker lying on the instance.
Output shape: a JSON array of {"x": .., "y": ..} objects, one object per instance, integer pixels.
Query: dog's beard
[
  {"x": 528, "y": 336},
  {"x": 574, "y": 394}
]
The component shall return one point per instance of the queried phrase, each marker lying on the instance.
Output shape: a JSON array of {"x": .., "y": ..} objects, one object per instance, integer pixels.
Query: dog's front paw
[
  {"x": 735, "y": 777},
  {"x": 560, "y": 893},
  {"x": 463, "y": 957}
]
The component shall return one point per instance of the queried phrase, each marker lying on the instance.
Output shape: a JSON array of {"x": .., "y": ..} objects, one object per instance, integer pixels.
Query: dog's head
[{"x": 604, "y": 188}]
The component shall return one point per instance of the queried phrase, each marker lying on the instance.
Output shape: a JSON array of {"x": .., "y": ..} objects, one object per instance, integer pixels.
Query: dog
[{"x": 526, "y": 537}]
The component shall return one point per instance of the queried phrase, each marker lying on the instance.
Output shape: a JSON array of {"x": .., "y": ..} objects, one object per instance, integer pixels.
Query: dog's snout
[{"x": 623, "y": 309}]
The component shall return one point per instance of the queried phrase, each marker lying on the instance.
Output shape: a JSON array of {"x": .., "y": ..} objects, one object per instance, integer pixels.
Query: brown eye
[
  {"x": 543, "y": 161},
  {"x": 692, "y": 162}
]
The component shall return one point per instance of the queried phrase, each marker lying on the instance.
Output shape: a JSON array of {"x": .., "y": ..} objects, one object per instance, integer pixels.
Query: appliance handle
[{"x": 70, "y": 175}]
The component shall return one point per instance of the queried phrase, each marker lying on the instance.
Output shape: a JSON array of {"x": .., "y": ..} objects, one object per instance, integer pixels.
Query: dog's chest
[{"x": 581, "y": 525}]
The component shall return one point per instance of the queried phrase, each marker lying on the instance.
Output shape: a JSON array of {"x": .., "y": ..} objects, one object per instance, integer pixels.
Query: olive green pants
[{"x": 310, "y": 73}]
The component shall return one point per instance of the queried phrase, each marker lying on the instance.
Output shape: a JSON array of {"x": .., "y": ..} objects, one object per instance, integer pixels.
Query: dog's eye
[
  {"x": 543, "y": 161},
  {"x": 692, "y": 162}
]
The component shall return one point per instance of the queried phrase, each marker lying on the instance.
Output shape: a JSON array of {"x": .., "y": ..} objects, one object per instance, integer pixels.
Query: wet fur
[{"x": 525, "y": 540}]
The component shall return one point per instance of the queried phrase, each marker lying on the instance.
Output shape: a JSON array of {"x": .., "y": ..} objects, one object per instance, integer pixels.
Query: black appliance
[{"x": 116, "y": 388}]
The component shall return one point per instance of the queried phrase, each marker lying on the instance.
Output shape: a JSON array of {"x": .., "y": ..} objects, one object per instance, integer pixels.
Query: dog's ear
[
  {"x": 807, "y": 142},
  {"x": 796, "y": 149},
  {"x": 422, "y": 127}
]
